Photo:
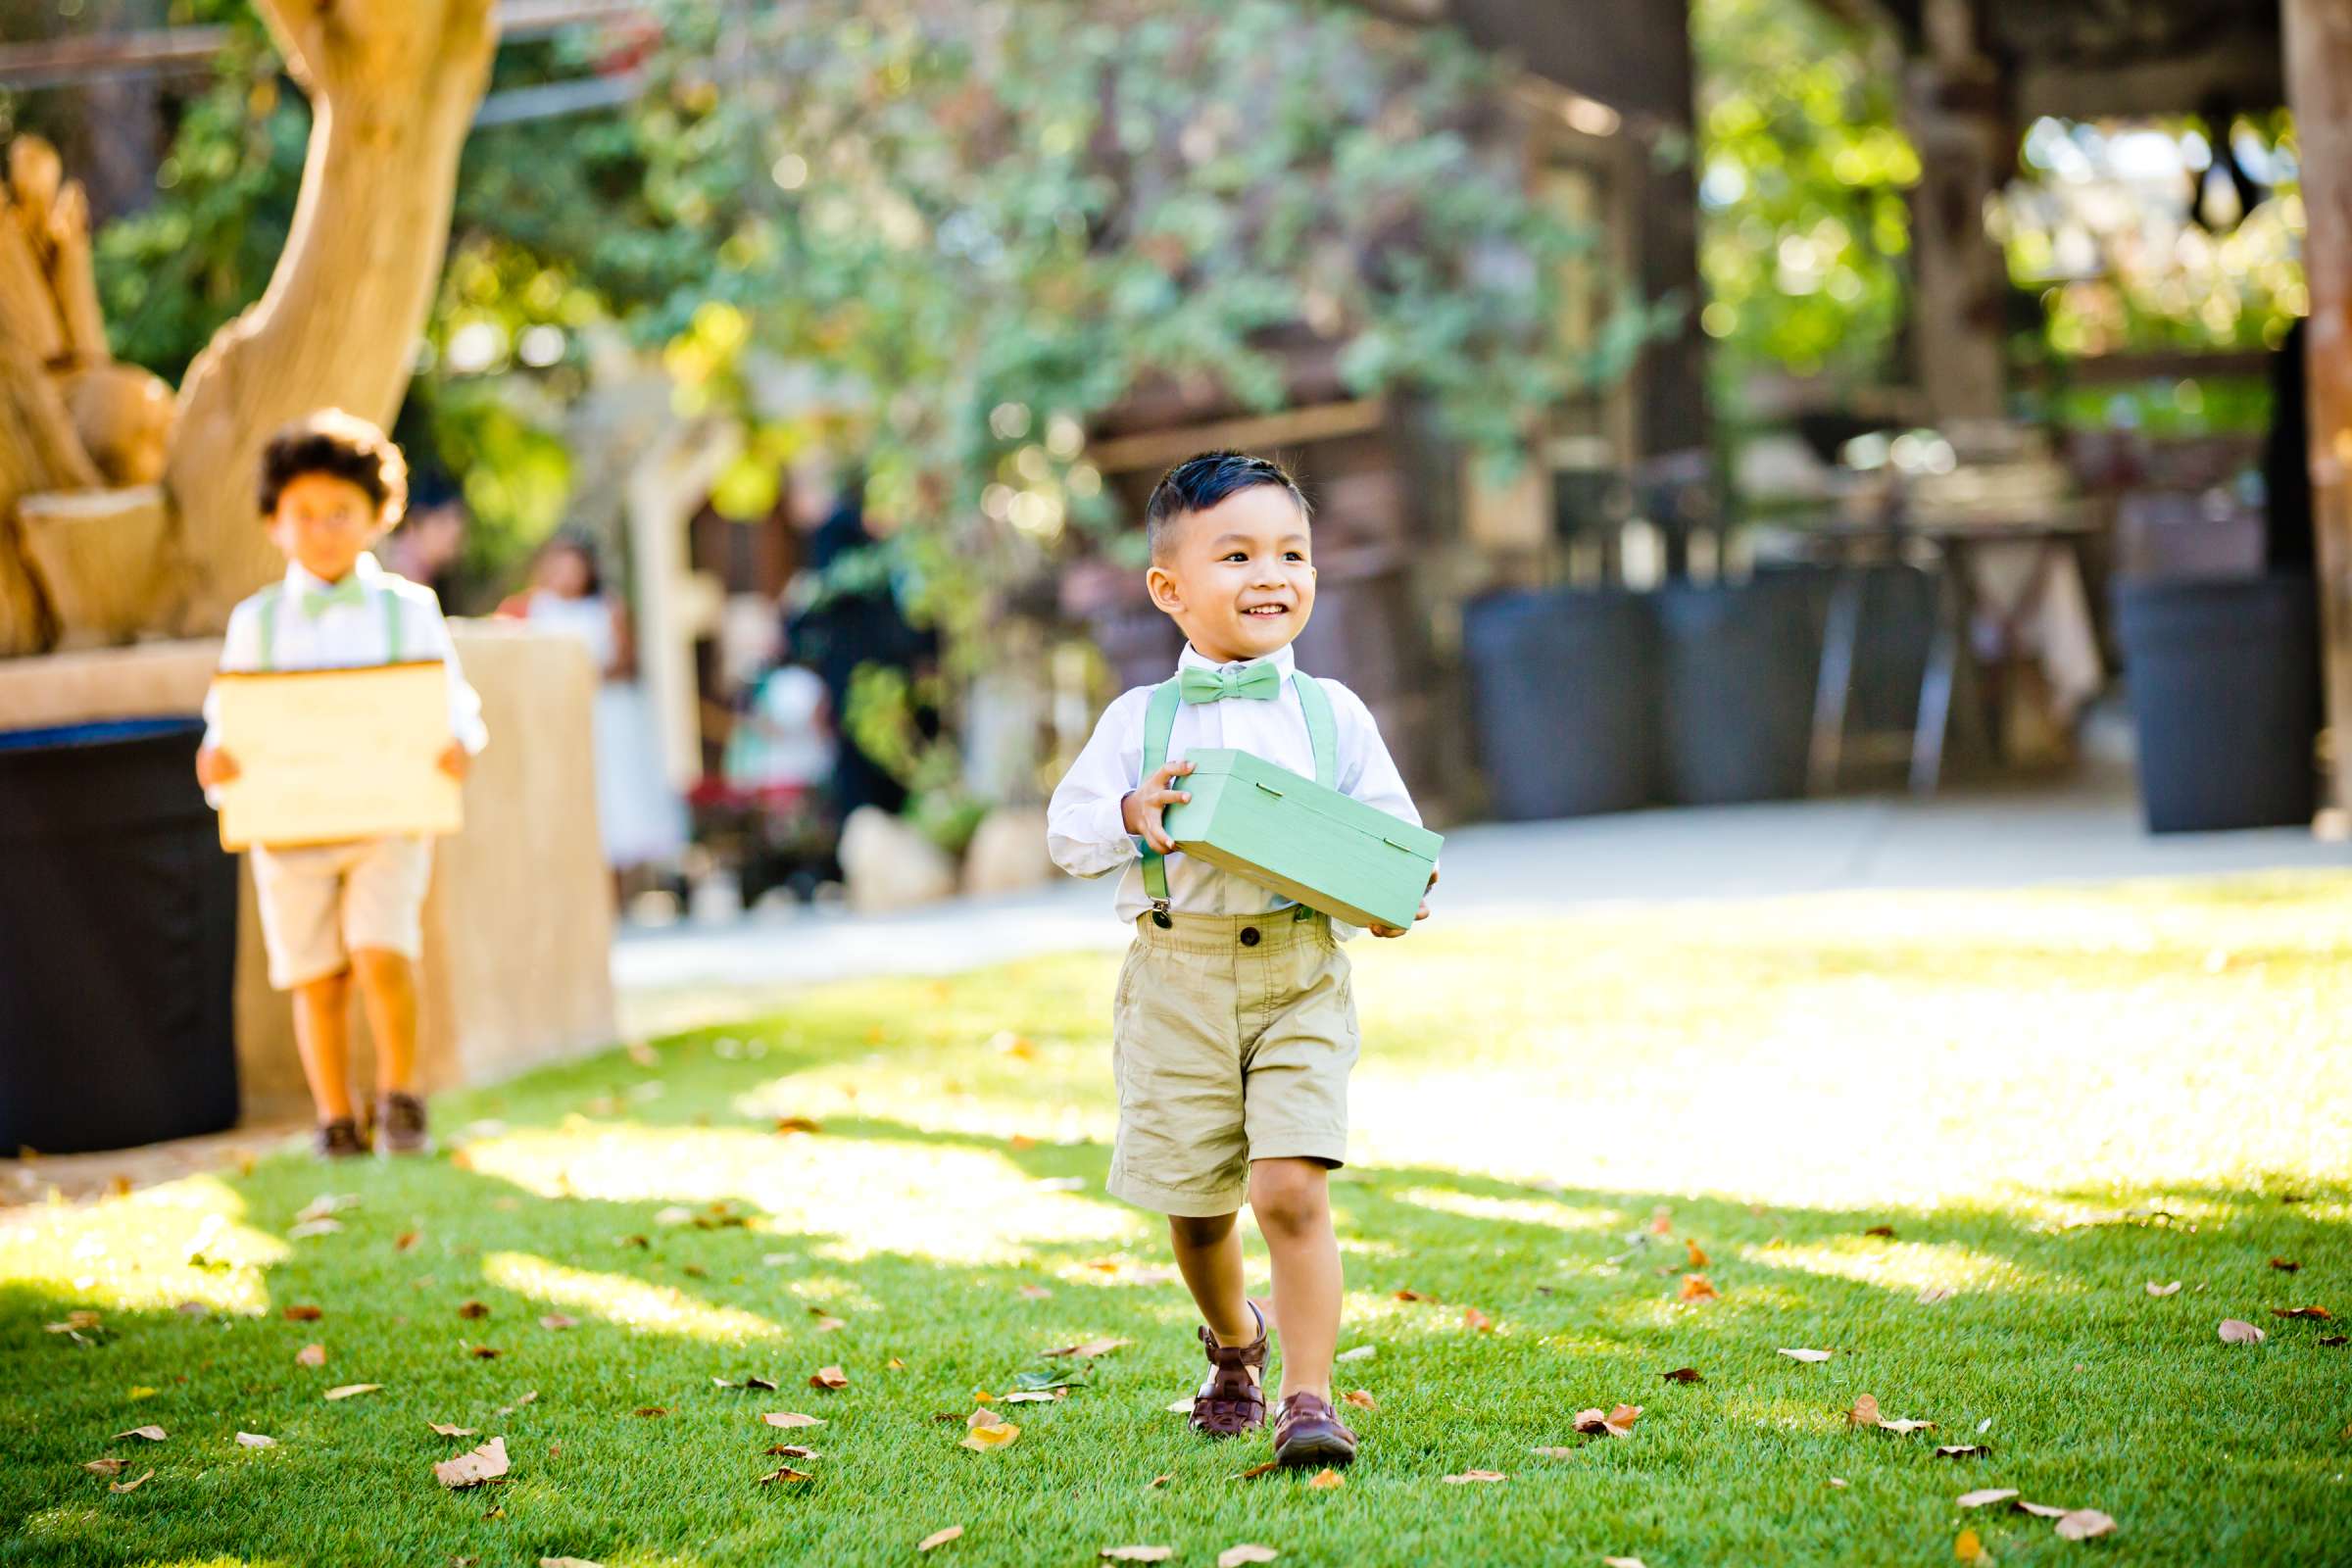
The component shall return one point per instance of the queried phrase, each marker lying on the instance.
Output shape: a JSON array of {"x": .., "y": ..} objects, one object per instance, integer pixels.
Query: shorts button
[{"x": 1249, "y": 936}]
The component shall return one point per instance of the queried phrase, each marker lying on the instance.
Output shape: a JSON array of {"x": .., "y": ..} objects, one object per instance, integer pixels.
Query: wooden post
[
  {"x": 2319, "y": 89},
  {"x": 1955, "y": 116}
]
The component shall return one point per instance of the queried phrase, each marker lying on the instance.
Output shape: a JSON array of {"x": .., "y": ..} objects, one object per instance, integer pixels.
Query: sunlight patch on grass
[
  {"x": 1512, "y": 1210},
  {"x": 629, "y": 1303},
  {"x": 179, "y": 1242},
  {"x": 1898, "y": 1265},
  {"x": 876, "y": 1195}
]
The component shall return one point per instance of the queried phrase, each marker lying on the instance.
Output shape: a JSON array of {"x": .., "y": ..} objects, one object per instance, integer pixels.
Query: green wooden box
[{"x": 1353, "y": 861}]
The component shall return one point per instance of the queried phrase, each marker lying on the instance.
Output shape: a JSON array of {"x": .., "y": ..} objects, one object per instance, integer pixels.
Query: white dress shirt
[
  {"x": 1087, "y": 835},
  {"x": 349, "y": 636}
]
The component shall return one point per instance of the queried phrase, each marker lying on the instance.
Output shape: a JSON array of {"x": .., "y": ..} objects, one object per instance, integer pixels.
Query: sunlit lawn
[{"x": 2052, "y": 1100}]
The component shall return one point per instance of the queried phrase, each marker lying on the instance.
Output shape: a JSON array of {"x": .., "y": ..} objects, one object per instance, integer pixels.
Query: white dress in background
[{"x": 641, "y": 818}]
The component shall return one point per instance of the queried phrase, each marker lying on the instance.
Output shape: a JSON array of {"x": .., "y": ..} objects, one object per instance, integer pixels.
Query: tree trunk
[
  {"x": 2318, "y": 88},
  {"x": 393, "y": 90}
]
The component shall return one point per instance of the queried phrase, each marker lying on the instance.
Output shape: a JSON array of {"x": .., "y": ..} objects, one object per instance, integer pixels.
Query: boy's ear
[{"x": 1161, "y": 584}]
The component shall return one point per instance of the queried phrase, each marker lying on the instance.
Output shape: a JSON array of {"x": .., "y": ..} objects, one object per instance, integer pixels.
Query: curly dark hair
[
  {"x": 1206, "y": 478},
  {"x": 343, "y": 445}
]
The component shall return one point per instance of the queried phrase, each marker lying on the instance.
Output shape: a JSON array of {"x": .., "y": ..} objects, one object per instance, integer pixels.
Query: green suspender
[
  {"x": 1159, "y": 721},
  {"x": 276, "y": 596}
]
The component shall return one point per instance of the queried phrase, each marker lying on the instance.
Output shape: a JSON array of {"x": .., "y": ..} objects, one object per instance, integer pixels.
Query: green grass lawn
[{"x": 2051, "y": 1100}]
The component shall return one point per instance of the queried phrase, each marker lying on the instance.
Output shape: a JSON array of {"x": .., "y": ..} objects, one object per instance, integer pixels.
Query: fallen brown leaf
[
  {"x": 769, "y": 1384},
  {"x": 1477, "y": 1321},
  {"x": 1360, "y": 1399},
  {"x": 784, "y": 1473},
  {"x": 404, "y": 1241},
  {"x": 1157, "y": 1481},
  {"x": 1257, "y": 1470},
  {"x": 1865, "y": 1412},
  {"x": 939, "y": 1538},
  {"x": 302, "y": 1313},
  {"x": 2040, "y": 1510},
  {"x": 312, "y": 1355},
  {"x": 2083, "y": 1524},
  {"x": 2173, "y": 1289},
  {"x": 255, "y": 1439},
  {"x": 1958, "y": 1450},
  {"x": 1970, "y": 1548},
  {"x": 472, "y": 1309},
  {"x": 1136, "y": 1554},
  {"x": 448, "y": 1431},
  {"x": 2335, "y": 1338},
  {"x": 152, "y": 1434},
  {"x": 1414, "y": 1295},
  {"x": 1327, "y": 1480},
  {"x": 797, "y": 1124},
  {"x": 131, "y": 1485},
  {"x": 1979, "y": 1499},
  {"x": 791, "y": 1418},
  {"x": 558, "y": 1321},
  {"x": 1476, "y": 1474},
  {"x": 106, "y": 1467},
  {"x": 1090, "y": 1350},
  {"x": 1001, "y": 1434},
  {"x": 1698, "y": 1287},
  {"x": 1683, "y": 1374},
  {"x": 791, "y": 1451},
  {"x": 1886, "y": 1231},
  {"x": 828, "y": 1376},
  {"x": 1805, "y": 1356},
  {"x": 1247, "y": 1551},
  {"x": 651, "y": 1412},
  {"x": 2237, "y": 1331},
  {"x": 2301, "y": 1312},
  {"x": 349, "y": 1390},
  {"x": 485, "y": 1463},
  {"x": 2284, "y": 1265},
  {"x": 485, "y": 1353},
  {"x": 1662, "y": 1220},
  {"x": 1618, "y": 1423},
  {"x": 894, "y": 1364},
  {"x": 1697, "y": 1254},
  {"x": 984, "y": 1418}
]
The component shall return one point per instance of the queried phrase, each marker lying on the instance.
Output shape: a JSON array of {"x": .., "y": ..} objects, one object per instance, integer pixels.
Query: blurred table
[{"x": 1965, "y": 556}]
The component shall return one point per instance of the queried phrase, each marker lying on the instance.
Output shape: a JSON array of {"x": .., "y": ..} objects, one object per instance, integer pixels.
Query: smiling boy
[
  {"x": 1233, "y": 1025},
  {"x": 330, "y": 486}
]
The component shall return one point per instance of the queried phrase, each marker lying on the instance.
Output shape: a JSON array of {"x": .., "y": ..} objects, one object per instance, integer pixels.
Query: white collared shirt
[
  {"x": 349, "y": 636},
  {"x": 1087, "y": 836}
]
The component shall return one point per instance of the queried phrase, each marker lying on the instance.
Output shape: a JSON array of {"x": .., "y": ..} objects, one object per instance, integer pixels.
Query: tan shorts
[
  {"x": 1231, "y": 1041},
  {"x": 322, "y": 901}
]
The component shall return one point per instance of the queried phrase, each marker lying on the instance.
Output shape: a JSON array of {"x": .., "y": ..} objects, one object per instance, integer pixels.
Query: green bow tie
[
  {"x": 1260, "y": 681},
  {"x": 316, "y": 602}
]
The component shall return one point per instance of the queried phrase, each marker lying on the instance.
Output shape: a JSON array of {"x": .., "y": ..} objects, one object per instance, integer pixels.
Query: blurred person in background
[{"x": 431, "y": 538}]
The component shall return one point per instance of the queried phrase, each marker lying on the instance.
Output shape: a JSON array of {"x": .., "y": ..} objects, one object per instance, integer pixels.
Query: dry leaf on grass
[
  {"x": 1618, "y": 1423},
  {"x": 791, "y": 1418},
  {"x": 1157, "y": 1481},
  {"x": 988, "y": 1439},
  {"x": 470, "y": 1469},
  {"x": 790, "y": 1450},
  {"x": 131, "y": 1485},
  {"x": 1838, "y": 1482},
  {"x": 1246, "y": 1552},
  {"x": 473, "y": 1309},
  {"x": 1475, "y": 1474},
  {"x": 1698, "y": 1287},
  {"x": 1805, "y": 1356},
  {"x": 1136, "y": 1554},
  {"x": 1473, "y": 1318},
  {"x": 1623, "y": 1562},
  {"x": 1698, "y": 1254},
  {"x": 939, "y": 1538},
  {"x": 2083, "y": 1524},
  {"x": 2173, "y": 1289},
  {"x": 312, "y": 1355},
  {"x": 1683, "y": 1374},
  {"x": 556, "y": 1321},
  {"x": 785, "y": 1473},
  {"x": 1865, "y": 1413},
  {"x": 1887, "y": 1231},
  {"x": 828, "y": 1376},
  {"x": 894, "y": 1364},
  {"x": 349, "y": 1390},
  {"x": 303, "y": 1313},
  {"x": 652, "y": 1410},
  {"x": 1257, "y": 1470},
  {"x": 1360, "y": 1399},
  {"x": 2040, "y": 1510},
  {"x": 1036, "y": 1293},
  {"x": 404, "y": 1241},
  {"x": 1414, "y": 1295},
  {"x": 769, "y": 1384},
  {"x": 106, "y": 1467},
  {"x": 797, "y": 1124},
  {"x": 2284, "y": 1265},
  {"x": 152, "y": 1434},
  {"x": 1090, "y": 1350},
  {"x": 255, "y": 1439},
  {"x": 2237, "y": 1331},
  {"x": 1327, "y": 1480},
  {"x": 1990, "y": 1494},
  {"x": 1958, "y": 1450},
  {"x": 448, "y": 1431},
  {"x": 1970, "y": 1548},
  {"x": 2301, "y": 1312}
]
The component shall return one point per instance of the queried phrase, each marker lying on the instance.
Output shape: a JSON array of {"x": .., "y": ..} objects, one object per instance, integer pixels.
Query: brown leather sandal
[
  {"x": 1308, "y": 1431},
  {"x": 1234, "y": 1399}
]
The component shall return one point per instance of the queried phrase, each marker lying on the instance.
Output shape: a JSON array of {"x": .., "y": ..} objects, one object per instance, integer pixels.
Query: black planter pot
[
  {"x": 1739, "y": 665},
  {"x": 1564, "y": 692},
  {"x": 119, "y": 961},
  {"x": 2223, "y": 677}
]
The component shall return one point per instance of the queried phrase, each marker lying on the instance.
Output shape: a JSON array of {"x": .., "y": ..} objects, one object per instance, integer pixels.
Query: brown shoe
[
  {"x": 339, "y": 1139},
  {"x": 400, "y": 1125},
  {"x": 1308, "y": 1431},
  {"x": 1234, "y": 1399}
]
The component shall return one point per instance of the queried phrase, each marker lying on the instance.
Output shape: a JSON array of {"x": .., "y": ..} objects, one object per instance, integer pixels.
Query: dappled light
[
  {"x": 619, "y": 1300},
  {"x": 183, "y": 1242}
]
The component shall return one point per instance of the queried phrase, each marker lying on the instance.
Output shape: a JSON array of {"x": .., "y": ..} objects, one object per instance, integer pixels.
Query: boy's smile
[
  {"x": 1239, "y": 576},
  {"x": 322, "y": 522}
]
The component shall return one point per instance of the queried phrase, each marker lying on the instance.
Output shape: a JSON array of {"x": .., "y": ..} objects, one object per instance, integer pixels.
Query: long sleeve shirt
[
  {"x": 1087, "y": 836},
  {"x": 354, "y": 631}
]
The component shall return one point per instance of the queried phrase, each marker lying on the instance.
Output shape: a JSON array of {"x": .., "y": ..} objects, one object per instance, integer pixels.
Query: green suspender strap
[
  {"x": 1159, "y": 721},
  {"x": 268, "y": 627}
]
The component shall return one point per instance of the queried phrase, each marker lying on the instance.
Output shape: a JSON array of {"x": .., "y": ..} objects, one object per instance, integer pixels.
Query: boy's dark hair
[
  {"x": 1200, "y": 482},
  {"x": 344, "y": 445}
]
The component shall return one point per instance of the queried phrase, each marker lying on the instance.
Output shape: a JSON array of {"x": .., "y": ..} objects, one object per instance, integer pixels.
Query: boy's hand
[
  {"x": 1142, "y": 808},
  {"x": 215, "y": 766},
  {"x": 456, "y": 760},
  {"x": 1419, "y": 915}
]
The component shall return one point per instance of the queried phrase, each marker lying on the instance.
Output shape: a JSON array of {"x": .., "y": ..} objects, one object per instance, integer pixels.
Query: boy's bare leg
[
  {"x": 388, "y": 991},
  {"x": 1291, "y": 1200},
  {"x": 323, "y": 1031},
  {"x": 1208, "y": 1253}
]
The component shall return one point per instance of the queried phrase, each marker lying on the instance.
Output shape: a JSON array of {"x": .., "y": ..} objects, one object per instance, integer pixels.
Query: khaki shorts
[
  {"x": 322, "y": 901},
  {"x": 1231, "y": 1041}
]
